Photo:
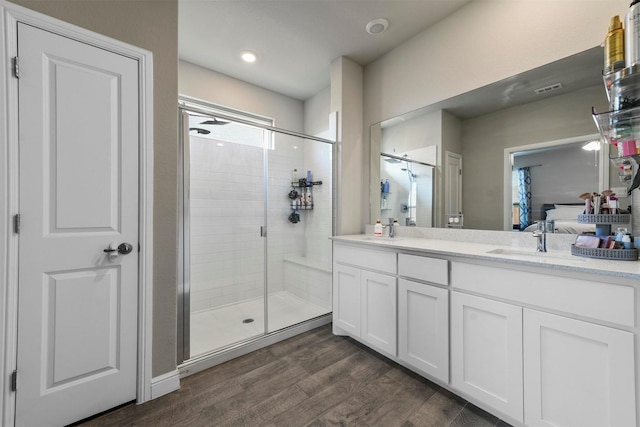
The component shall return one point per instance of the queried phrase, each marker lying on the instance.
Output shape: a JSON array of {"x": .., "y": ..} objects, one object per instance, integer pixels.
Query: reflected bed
[{"x": 565, "y": 217}]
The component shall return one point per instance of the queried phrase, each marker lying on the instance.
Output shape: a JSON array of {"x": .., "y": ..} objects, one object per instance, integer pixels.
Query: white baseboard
[{"x": 165, "y": 384}]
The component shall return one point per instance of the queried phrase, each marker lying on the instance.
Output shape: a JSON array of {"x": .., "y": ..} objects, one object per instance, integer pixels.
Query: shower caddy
[
  {"x": 299, "y": 200},
  {"x": 619, "y": 127}
]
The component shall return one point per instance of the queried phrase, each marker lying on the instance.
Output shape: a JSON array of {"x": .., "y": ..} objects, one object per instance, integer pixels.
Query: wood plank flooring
[{"x": 313, "y": 379}]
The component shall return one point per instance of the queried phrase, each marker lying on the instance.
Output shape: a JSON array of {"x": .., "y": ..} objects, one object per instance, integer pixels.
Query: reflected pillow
[{"x": 565, "y": 212}]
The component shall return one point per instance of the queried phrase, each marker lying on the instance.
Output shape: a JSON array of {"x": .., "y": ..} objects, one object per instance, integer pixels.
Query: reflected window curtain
[{"x": 524, "y": 184}]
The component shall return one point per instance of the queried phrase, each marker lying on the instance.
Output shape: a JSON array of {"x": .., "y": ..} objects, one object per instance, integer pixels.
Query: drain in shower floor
[{"x": 247, "y": 321}]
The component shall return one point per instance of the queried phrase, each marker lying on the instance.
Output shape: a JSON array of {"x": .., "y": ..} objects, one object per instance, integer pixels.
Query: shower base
[{"x": 218, "y": 328}]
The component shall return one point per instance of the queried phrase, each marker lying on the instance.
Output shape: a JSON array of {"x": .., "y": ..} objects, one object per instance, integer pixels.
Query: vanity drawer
[
  {"x": 432, "y": 270},
  {"x": 366, "y": 258},
  {"x": 597, "y": 300}
]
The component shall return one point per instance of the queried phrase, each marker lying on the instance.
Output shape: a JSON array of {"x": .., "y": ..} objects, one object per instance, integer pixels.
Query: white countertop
[{"x": 553, "y": 259}]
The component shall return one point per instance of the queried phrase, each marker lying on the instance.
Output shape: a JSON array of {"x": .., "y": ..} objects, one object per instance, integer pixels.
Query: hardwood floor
[{"x": 313, "y": 379}]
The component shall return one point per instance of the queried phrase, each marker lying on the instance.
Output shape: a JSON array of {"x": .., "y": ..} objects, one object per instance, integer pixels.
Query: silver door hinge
[
  {"x": 16, "y": 223},
  {"x": 14, "y": 381},
  {"x": 16, "y": 67}
]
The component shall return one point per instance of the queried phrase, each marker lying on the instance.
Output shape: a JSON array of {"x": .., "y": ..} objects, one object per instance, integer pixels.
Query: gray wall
[
  {"x": 152, "y": 26},
  {"x": 316, "y": 112},
  {"x": 211, "y": 86}
]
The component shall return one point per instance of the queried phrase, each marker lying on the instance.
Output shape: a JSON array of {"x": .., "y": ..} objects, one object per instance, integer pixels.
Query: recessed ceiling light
[
  {"x": 248, "y": 56},
  {"x": 377, "y": 26}
]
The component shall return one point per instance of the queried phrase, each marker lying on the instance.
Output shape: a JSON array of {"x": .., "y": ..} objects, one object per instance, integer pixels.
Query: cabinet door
[
  {"x": 577, "y": 373},
  {"x": 423, "y": 328},
  {"x": 486, "y": 352},
  {"x": 346, "y": 299},
  {"x": 378, "y": 316}
]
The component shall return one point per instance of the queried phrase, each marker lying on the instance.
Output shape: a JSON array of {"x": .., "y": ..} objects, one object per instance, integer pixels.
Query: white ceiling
[{"x": 296, "y": 40}]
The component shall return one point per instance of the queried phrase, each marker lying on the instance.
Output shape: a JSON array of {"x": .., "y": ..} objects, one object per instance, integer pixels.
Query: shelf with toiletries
[
  {"x": 620, "y": 126},
  {"x": 384, "y": 201},
  {"x": 621, "y": 129},
  {"x": 626, "y": 167},
  {"x": 603, "y": 210},
  {"x": 603, "y": 244},
  {"x": 301, "y": 195}
]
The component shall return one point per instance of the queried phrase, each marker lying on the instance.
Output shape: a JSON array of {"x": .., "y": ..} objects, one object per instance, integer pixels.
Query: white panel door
[
  {"x": 453, "y": 184},
  {"x": 77, "y": 305},
  {"x": 378, "y": 311},
  {"x": 486, "y": 352},
  {"x": 577, "y": 373},
  {"x": 346, "y": 299},
  {"x": 423, "y": 328}
]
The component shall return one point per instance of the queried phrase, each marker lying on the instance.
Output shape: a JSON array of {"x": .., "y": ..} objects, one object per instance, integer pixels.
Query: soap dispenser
[{"x": 377, "y": 229}]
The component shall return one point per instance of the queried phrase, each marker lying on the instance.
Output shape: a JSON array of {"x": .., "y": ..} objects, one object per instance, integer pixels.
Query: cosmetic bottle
[
  {"x": 377, "y": 229},
  {"x": 632, "y": 34},
  {"x": 386, "y": 185},
  {"x": 309, "y": 198},
  {"x": 614, "y": 47},
  {"x": 626, "y": 241}
]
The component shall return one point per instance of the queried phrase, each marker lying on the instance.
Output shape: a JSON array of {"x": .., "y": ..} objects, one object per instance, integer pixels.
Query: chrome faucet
[
  {"x": 541, "y": 234},
  {"x": 391, "y": 227}
]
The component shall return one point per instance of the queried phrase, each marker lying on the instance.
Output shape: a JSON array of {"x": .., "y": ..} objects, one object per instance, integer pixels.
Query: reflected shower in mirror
[{"x": 406, "y": 191}]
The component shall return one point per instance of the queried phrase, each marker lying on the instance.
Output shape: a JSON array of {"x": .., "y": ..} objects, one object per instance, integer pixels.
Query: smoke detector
[
  {"x": 377, "y": 26},
  {"x": 549, "y": 88}
]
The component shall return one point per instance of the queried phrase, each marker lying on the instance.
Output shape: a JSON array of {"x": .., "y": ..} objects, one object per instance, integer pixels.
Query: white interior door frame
[
  {"x": 603, "y": 170},
  {"x": 10, "y": 15}
]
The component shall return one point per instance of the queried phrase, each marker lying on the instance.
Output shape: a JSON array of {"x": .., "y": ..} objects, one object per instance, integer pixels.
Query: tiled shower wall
[{"x": 227, "y": 202}]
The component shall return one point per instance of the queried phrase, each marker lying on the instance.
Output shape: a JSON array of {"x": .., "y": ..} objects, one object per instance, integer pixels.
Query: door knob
[{"x": 122, "y": 248}]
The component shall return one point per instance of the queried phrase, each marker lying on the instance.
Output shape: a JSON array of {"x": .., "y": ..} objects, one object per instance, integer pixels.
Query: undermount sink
[
  {"x": 382, "y": 238},
  {"x": 533, "y": 254}
]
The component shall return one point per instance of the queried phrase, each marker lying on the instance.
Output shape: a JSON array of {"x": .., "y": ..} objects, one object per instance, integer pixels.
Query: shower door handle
[{"x": 263, "y": 231}]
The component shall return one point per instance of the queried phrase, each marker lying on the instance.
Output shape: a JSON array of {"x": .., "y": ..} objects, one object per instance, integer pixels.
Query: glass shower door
[
  {"x": 225, "y": 267},
  {"x": 299, "y": 222}
]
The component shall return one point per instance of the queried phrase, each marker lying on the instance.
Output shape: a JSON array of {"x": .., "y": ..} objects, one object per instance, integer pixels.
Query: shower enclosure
[{"x": 256, "y": 249}]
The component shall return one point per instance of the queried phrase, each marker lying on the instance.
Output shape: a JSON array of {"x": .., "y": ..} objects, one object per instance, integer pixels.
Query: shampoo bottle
[
  {"x": 614, "y": 47},
  {"x": 632, "y": 35}
]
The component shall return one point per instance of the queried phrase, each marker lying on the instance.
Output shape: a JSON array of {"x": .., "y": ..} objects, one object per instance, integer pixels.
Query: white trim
[
  {"x": 165, "y": 384},
  {"x": 10, "y": 15},
  {"x": 603, "y": 178}
]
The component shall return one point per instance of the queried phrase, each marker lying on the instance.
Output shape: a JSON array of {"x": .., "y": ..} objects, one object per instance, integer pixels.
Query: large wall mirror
[{"x": 539, "y": 120}]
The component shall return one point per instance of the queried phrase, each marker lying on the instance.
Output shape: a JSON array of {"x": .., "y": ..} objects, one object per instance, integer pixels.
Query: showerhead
[
  {"x": 200, "y": 131},
  {"x": 391, "y": 160},
  {"x": 214, "y": 122}
]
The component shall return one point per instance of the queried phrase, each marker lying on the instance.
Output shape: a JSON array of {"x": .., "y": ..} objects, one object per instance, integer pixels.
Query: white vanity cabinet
[
  {"x": 378, "y": 311},
  {"x": 577, "y": 373},
  {"x": 423, "y": 315},
  {"x": 555, "y": 369},
  {"x": 346, "y": 298},
  {"x": 533, "y": 345},
  {"x": 365, "y": 296},
  {"x": 486, "y": 352}
]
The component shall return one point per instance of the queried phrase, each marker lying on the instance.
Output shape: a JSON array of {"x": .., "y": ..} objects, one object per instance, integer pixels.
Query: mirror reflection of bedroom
[{"x": 538, "y": 194}]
